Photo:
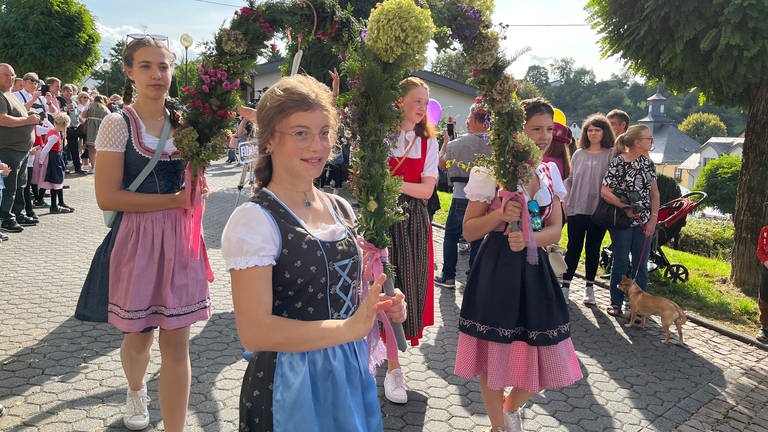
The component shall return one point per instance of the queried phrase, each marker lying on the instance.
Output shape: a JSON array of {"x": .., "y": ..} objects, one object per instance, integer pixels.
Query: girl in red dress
[{"x": 413, "y": 158}]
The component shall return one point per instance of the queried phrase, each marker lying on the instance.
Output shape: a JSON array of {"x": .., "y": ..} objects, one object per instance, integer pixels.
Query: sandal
[{"x": 614, "y": 310}]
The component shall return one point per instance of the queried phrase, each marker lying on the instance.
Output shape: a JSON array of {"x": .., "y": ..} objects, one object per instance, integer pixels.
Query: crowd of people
[
  {"x": 309, "y": 325},
  {"x": 47, "y": 130}
]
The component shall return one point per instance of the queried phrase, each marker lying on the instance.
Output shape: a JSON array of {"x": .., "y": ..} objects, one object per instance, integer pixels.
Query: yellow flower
[{"x": 400, "y": 30}]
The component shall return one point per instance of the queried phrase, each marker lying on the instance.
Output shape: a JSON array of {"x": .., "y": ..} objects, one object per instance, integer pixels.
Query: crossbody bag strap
[{"x": 155, "y": 157}]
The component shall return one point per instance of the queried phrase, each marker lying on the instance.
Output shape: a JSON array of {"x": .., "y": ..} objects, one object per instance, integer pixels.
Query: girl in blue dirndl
[{"x": 296, "y": 288}]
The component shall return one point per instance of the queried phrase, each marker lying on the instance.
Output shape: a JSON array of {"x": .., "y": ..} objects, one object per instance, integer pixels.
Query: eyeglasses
[
  {"x": 304, "y": 138},
  {"x": 535, "y": 211},
  {"x": 35, "y": 82}
]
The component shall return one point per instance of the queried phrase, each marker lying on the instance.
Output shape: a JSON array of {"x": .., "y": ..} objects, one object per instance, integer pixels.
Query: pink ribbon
[
  {"x": 194, "y": 185},
  {"x": 373, "y": 265},
  {"x": 525, "y": 218}
]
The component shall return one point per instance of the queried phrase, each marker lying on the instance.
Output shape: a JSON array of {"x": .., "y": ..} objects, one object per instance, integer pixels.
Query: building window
[
  {"x": 678, "y": 174},
  {"x": 708, "y": 160}
]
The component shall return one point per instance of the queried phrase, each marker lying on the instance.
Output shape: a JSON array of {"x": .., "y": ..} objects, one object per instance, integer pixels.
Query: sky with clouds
[{"x": 201, "y": 19}]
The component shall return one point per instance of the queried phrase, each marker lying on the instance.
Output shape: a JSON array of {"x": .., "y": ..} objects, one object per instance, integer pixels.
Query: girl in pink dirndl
[
  {"x": 514, "y": 323},
  {"x": 158, "y": 271}
]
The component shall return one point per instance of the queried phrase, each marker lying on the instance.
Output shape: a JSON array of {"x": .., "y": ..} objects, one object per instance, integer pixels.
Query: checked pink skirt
[{"x": 518, "y": 364}]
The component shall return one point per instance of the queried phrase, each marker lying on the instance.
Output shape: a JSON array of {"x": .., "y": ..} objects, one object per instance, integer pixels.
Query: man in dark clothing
[
  {"x": 15, "y": 142},
  {"x": 457, "y": 157}
]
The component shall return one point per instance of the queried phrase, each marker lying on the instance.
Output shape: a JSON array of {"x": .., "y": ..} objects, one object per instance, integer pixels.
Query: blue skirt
[{"x": 317, "y": 391}]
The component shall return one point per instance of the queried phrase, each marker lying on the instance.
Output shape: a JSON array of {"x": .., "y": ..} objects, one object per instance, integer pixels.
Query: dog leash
[{"x": 642, "y": 252}]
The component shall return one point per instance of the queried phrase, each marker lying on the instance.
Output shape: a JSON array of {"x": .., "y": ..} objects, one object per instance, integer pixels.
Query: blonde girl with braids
[{"x": 154, "y": 271}]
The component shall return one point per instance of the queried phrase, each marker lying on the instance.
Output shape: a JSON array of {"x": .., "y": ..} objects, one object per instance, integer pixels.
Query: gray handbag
[{"x": 110, "y": 215}]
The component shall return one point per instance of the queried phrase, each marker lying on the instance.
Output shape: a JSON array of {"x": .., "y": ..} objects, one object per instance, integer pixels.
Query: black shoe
[
  {"x": 445, "y": 283},
  {"x": 25, "y": 221},
  {"x": 81, "y": 172},
  {"x": 60, "y": 210},
  {"x": 762, "y": 335},
  {"x": 40, "y": 204},
  {"x": 33, "y": 216},
  {"x": 10, "y": 225},
  {"x": 71, "y": 209}
]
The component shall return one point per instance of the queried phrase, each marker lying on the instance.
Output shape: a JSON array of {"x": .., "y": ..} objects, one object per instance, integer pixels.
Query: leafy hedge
[{"x": 708, "y": 238}]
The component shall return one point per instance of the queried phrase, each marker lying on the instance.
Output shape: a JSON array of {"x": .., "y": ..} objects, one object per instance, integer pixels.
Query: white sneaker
[
  {"x": 513, "y": 421},
  {"x": 566, "y": 293},
  {"x": 589, "y": 296},
  {"x": 136, "y": 414},
  {"x": 394, "y": 387}
]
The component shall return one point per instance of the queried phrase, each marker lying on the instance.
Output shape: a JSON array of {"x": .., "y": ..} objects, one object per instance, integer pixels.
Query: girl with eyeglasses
[
  {"x": 514, "y": 327},
  {"x": 296, "y": 277}
]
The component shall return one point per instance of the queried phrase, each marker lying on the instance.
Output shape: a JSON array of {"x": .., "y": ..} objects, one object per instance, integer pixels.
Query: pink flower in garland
[{"x": 204, "y": 88}]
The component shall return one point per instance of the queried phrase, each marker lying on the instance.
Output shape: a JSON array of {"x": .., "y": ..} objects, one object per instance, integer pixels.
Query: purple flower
[
  {"x": 236, "y": 85},
  {"x": 206, "y": 79},
  {"x": 201, "y": 69},
  {"x": 223, "y": 75},
  {"x": 226, "y": 86},
  {"x": 204, "y": 88},
  {"x": 363, "y": 34}
]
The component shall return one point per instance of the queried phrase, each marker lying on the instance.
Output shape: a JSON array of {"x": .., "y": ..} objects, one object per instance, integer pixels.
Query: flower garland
[{"x": 515, "y": 156}]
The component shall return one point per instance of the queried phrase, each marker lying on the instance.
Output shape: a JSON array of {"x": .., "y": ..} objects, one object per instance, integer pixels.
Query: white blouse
[
  {"x": 252, "y": 238},
  {"x": 113, "y": 136},
  {"x": 482, "y": 186},
  {"x": 433, "y": 148}
]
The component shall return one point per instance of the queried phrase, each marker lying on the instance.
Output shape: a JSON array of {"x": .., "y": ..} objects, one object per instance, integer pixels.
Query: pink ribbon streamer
[
  {"x": 194, "y": 185},
  {"x": 373, "y": 265},
  {"x": 525, "y": 218}
]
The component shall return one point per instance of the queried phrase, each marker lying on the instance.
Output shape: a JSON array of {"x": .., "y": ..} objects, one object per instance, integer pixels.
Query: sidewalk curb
[
  {"x": 699, "y": 320},
  {"x": 733, "y": 334}
]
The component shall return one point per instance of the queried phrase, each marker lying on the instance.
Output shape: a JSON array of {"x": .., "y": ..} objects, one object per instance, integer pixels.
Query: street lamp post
[
  {"x": 106, "y": 67},
  {"x": 186, "y": 41}
]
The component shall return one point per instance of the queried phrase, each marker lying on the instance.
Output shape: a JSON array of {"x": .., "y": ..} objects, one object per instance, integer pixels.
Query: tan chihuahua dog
[{"x": 644, "y": 304}]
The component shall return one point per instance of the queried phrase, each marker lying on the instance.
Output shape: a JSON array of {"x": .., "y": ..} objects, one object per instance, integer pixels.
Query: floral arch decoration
[{"x": 376, "y": 55}]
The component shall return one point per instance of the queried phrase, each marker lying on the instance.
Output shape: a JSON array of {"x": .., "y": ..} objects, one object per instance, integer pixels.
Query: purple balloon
[{"x": 434, "y": 111}]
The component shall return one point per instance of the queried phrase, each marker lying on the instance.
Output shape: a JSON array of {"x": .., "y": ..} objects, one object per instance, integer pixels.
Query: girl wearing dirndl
[
  {"x": 48, "y": 172},
  {"x": 296, "y": 287},
  {"x": 514, "y": 327},
  {"x": 414, "y": 158},
  {"x": 153, "y": 267}
]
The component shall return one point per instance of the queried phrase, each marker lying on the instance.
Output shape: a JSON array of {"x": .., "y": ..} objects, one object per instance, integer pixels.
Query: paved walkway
[{"x": 58, "y": 374}]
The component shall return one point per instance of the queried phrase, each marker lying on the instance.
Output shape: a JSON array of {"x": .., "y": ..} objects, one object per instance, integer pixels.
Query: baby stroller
[{"x": 671, "y": 220}]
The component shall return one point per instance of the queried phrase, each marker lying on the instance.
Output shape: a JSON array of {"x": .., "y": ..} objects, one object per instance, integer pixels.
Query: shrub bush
[{"x": 708, "y": 238}]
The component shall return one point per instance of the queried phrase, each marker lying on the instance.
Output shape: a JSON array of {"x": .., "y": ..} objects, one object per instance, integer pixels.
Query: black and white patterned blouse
[{"x": 632, "y": 182}]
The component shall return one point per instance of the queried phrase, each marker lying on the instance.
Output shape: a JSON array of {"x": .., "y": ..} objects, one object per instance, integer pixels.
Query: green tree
[
  {"x": 452, "y": 65},
  {"x": 703, "y": 126},
  {"x": 50, "y": 37},
  {"x": 537, "y": 75},
  {"x": 110, "y": 76},
  {"x": 528, "y": 90},
  {"x": 719, "y": 180},
  {"x": 719, "y": 48},
  {"x": 668, "y": 188}
]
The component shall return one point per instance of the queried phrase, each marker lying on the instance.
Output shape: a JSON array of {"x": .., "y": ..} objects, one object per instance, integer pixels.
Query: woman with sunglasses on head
[
  {"x": 155, "y": 268},
  {"x": 630, "y": 184},
  {"x": 514, "y": 324}
]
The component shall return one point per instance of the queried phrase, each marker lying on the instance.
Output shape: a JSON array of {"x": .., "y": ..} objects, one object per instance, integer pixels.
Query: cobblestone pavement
[{"x": 58, "y": 374}]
